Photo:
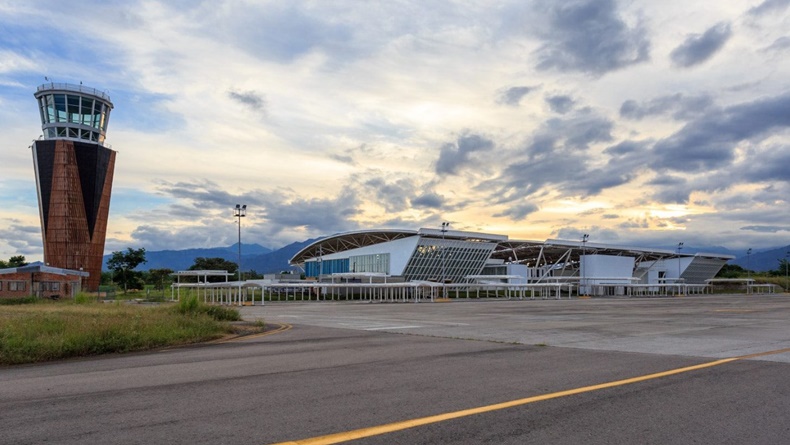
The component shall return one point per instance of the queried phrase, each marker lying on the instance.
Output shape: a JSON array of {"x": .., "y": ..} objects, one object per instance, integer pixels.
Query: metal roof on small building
[{"x": 39, "y": 267}]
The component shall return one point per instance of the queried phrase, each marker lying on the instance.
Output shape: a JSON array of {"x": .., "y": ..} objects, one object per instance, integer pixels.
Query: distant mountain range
[
  {"x": 762, "y": 260},
  {"x": 253, "y": 257},
  {"x": 263, "y": 260}
]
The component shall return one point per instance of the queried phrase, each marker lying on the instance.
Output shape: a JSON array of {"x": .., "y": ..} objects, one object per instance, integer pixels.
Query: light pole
[
  {"x": 320, "y": 262},
  {"x": 240, "y": 212},
  {"x": 445, "y": 225},
  {"x": 585, "y": 237},
  {"x": 787, "y": 289},
  {"x": 680, "y": 247}
]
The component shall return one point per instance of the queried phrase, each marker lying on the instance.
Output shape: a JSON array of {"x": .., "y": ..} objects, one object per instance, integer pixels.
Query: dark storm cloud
[
  {"x": 627, "y": 148},
  {"x": 769, "y": 6},
  {"x": 393, "y": 195},
  {"x": 517, "y": 212},
  {"x": 667, "y": 180},
  {"x": 772, "y": 164},
  {"x": 513, "y": 95},
  {"x": 276, "y": 213},
  {"x": 205, "y": 194},
  {"x": 680, "y": 107},
  {"x": 560, "y": 104},
  {"x": 207, "y": 203},
  {"x": 558, "y": 157},
  {"x": 249, "y": 98},
  {"x": 741, "y": 209},
  {"x": 590, "y": 36},
  {"x": 699, "y": 48},
  {"x": 318, "y": 215},
  {"x": 594, "y": 181},
  {"x": 345, "y": 159},
  {"x": 677, "y": 194},
  {"x": 428, "y": 200},
  {"x": 575, "y": 133},
  {"x": 455, "y": 155},
  {"x": 709, "y": 142}
]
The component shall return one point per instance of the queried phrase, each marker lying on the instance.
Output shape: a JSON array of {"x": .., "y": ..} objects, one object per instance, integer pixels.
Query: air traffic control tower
[{"x": 74, "y": 173}]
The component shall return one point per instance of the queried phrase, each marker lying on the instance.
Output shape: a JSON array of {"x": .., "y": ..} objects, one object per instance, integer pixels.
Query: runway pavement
[
  {"x": 701, "y": 326},
  {"x": 618, "y": 371}
]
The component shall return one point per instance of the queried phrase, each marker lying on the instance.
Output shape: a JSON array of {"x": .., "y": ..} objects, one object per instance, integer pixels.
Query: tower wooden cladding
[{"x": 74, "y": 173}]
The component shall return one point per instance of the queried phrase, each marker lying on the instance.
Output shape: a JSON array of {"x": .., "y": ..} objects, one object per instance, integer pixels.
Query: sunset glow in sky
[{"x": 638, "y": 122}]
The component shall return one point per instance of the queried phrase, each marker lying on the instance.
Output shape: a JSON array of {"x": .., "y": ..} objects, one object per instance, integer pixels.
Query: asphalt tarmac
[{"x": 597, "y": 371}]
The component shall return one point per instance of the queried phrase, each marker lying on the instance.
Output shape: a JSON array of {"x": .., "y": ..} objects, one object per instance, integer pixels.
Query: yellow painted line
[
  {"x": 283, "y": 327},
  {"x": 406, "y": 424}
]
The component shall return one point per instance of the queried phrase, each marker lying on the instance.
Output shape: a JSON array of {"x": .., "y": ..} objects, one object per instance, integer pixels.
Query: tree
[
  {"x": 782, "y": 269},
  {"x": 214, "y": 264},
  {"x": 106, "y": 278},
  {"x": 731, "y": 271},
  {"x": 158, "y": 277},
  {"x": 17, "y": 261},
  {"x": 125, "y": 262},
  {"x": 252, "y": 275},
  {"x": 14, "y": 261}
]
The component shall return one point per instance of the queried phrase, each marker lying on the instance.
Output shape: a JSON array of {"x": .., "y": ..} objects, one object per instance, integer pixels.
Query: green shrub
[
  {"x": 188, "y": 305},
  {"x": 191, "y": 306},
  {"x": 222, "y": 313},
  {"x": 83, "y": 298},
  {"x": 24, "y": 300}
]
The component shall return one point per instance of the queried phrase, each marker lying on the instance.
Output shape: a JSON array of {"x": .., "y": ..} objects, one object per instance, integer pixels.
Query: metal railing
[{"x": 75, "y": 88}]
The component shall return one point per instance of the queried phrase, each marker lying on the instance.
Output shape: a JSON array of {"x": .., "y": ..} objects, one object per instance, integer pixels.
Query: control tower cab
[{"x": 73, "y": 112}]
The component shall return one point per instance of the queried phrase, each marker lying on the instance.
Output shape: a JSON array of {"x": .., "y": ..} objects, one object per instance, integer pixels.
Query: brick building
[{"x": 41, "y": 281}]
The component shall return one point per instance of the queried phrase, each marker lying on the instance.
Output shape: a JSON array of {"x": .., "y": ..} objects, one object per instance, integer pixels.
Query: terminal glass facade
[
  {"x": 450, "y": 260},
  {"x": 325, "y": 267},
  {"x": 378, "y": 263}
]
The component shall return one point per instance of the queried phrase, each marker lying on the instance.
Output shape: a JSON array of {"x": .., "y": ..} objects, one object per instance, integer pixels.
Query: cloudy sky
[{"x": 636, "y": 121}]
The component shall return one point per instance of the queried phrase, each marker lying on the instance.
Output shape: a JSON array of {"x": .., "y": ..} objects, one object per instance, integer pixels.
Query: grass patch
[
  {"x": 17, "y": 301},
  {"x": 56, "y": 330},
  {"x": 191, "y": 306}
]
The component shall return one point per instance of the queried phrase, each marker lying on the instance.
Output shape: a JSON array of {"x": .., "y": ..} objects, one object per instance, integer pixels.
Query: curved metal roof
[
  {"x": 551, "y": 250},
  {"x": 349, "y": 240}
]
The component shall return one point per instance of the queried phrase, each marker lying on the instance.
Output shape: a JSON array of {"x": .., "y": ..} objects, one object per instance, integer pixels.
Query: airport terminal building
[{"x": 460, "y": 257}]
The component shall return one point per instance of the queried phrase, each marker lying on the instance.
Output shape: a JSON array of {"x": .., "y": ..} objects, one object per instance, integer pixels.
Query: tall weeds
[{"x": 56, "y": 330}]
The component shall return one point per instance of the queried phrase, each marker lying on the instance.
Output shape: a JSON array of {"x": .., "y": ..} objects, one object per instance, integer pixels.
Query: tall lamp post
[
  {"x": 680, "y": 247},
  {"x": 445, "y": 225},
  {"x": 585, "y": 237},
  {"x": 240, "y": 211}
]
